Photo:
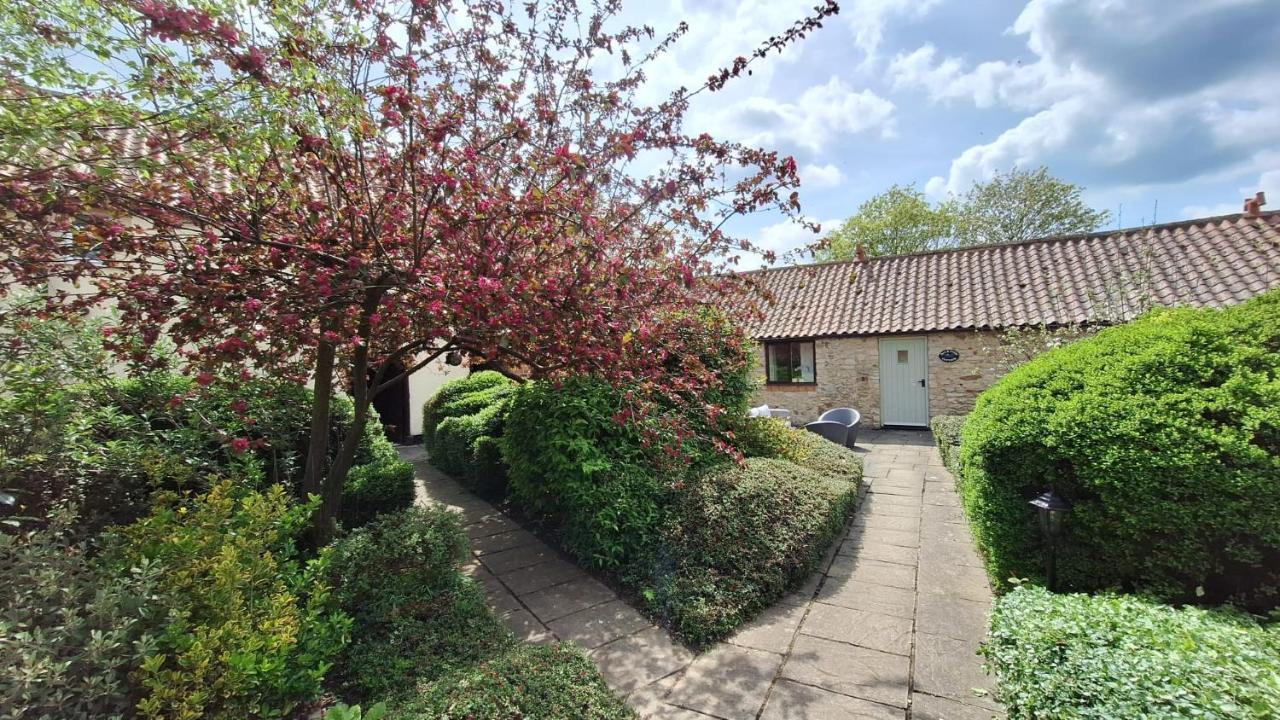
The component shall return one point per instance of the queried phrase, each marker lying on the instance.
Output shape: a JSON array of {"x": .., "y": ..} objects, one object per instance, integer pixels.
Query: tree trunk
[{"x": 313, "y": 477}]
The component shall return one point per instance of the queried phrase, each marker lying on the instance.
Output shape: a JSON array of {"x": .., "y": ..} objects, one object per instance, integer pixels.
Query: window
[{"x": 790, "y": 362}]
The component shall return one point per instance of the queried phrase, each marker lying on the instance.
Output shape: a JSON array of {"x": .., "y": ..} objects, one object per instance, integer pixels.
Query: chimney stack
[{"x": 1253, "y": 205}]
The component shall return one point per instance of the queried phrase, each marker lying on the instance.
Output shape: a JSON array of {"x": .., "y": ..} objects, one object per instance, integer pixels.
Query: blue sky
[{"x": 1140, "y": 101}]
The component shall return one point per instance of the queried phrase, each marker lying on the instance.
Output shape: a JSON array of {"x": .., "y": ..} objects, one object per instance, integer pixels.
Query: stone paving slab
[
  {"x": 773, "y": 629},
  {"x": 595, "y": 626},
  {"x": 568, "y": 598},
  {"x": 850, "y": 670},
  {"x": 793, "y": 701},
  {"x": 885, "y": 633},
  {"x": 634, "y": 661},
  {"x": 728, "y": 682},
  {"x": 887, "y": 628}
]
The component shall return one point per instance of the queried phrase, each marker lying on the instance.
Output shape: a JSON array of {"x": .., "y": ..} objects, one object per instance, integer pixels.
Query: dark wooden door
[{"x": 392, "y": 406}]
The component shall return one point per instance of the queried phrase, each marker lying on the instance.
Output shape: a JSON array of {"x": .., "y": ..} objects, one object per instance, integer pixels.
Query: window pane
[
  {"x": 805, "y": 373},
  {"x": 902, "y": 357},
  {"x": 779, "y": 357}
]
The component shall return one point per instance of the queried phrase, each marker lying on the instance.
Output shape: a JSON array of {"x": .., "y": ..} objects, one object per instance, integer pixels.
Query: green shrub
[
  {"x": 374, "y": 488},
  {"x": 1164, "y": 433},
  {"x": 465, "y": 448},
  {"x": 767, "y": 438},
  {"x": 741, "y": 536},
  {"x": 529, "y": 681},
  {"x": 452, "y": 400},
  {"x": 571, "y": 462},
  {"x": 826, "y": 458},
  {"x": 1077, "y": 657},
  {"x": 770, "y": 438},
  {"x": 415, "y": 615},
  {"x": 249, "y": 629},
  {"x": 71, "y": 633},
  {"x": 946, "y": 433}
]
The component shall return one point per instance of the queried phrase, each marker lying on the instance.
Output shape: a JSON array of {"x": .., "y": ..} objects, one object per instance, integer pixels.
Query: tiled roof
[{"x": 1100, "y": 277}]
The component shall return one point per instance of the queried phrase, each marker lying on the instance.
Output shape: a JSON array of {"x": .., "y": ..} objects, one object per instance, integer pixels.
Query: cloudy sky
[{"x": 1175, "y": 102}]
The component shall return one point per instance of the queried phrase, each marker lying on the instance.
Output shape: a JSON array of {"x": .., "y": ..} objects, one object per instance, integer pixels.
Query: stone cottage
[{"x": 903, "y": 338}]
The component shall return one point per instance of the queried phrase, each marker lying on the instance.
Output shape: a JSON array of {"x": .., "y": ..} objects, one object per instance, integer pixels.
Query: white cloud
[
  {"x": 787, "y": 236},
  {"x": 1105, "y": 108},
  {"x": 1268, "y": 182},
  {"x": 868, "y": 19},
  {"x": 821, "y": 113},
  {"x": 821, "y": 176}
]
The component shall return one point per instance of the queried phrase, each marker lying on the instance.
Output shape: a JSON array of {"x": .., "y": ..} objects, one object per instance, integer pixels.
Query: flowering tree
[{"x": 328, "y": 189}]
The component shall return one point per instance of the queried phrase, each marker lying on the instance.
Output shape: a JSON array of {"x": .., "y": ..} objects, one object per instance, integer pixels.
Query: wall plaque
[{"x": 948, "y": 355}]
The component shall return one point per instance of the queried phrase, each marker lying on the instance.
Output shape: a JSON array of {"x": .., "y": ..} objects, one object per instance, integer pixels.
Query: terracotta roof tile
[{"x": 1083, "y": 278}]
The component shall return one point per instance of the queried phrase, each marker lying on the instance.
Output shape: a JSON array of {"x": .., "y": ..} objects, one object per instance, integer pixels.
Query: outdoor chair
[
  {"x": 766, "y": 411},
  {"x": 849, "y": 417},
  {"x": 836, "y": 432}
]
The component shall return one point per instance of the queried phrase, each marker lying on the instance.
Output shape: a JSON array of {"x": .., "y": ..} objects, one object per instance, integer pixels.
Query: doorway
[{"x": 904, "y": 373}]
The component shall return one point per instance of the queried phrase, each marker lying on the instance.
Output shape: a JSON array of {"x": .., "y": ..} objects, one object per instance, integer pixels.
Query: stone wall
[{"x": 848, "y": 373}]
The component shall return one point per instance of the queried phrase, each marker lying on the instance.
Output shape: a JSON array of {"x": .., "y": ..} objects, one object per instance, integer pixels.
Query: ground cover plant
[
  {"x": 426, "y": 646},
  {"x": 1079, "y": 657},
  {"x": 1165, "y": 434}
]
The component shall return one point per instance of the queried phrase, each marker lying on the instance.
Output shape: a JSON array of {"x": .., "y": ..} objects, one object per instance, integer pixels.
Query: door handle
[{"x": 922, "y": 383}]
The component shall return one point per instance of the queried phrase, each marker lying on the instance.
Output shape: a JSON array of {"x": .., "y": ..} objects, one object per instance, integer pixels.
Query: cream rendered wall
[
  {"x": 423, "y": 384},
  {"x": 848, "y": 373}
]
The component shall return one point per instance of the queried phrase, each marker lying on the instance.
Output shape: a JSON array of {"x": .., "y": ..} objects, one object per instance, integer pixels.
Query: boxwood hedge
[
  {"x": 1078, "y": 657},
  {"x": 1164, "y": 433}
]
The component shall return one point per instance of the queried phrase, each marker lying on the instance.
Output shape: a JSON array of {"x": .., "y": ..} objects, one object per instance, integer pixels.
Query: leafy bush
[
  {"x": 454, "y": 399},
  {"x": 770, "y": 438},
  {"x": 71, "y": 634},
  {"x": 374, "y": 488},
  {"x": 416, "y": 616},
  {"x": 739, "y": 537},
  {"x": 767, "y": 438},
  {"x": 249, "y": 630},
  {"x": 946, "y": 433},
  {"x": 529, "y": 681},
  {"x": 1103, "y": 657},
  {"x": 573, "y": 463},
  {"x": 1164, "y": 433},
  {"x": 466, "y": 448}
]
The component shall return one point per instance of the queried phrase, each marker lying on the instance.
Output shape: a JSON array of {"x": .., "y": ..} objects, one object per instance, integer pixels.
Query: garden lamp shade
[
  {"x": 1052, "y": 509},
  {"x": 454, "y": 358}
]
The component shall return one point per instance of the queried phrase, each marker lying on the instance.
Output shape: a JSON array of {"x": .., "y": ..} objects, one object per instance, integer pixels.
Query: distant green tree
[
  {"x": 898, "y": 220},
  {"x": 1023, "y": 205},
  {"x": 1014, "y": 206}
]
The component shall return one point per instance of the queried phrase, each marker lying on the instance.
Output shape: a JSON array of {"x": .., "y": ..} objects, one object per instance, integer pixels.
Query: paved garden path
[{"x": 887, "y": 629}]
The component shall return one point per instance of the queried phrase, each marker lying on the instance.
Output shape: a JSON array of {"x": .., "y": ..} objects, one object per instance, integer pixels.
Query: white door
[{"x": 904, "y": 397}]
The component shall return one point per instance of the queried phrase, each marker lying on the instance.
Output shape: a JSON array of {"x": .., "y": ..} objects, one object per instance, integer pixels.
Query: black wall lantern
[
  {"x": 454, "y": 358},
  {"x": 1052, "y": 509}
]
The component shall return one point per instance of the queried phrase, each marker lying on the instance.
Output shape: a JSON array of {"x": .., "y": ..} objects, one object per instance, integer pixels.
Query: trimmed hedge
[
  {"x": 425, "y": 643},
  {"x": 570, "y": 462},
  {"x": 771, "y": 438},
  {"x": 376, "y": 488},
  {"x": 1077, "y": 657},
  {"x": 454, "y": 399},
  {"x": 529, "y": 681},
  {"x": 739, "y": 537},
  {"x": 946, "y": 433},
  {"x": 1165, "y": 434},
  {"x": 462, "y": 423}
]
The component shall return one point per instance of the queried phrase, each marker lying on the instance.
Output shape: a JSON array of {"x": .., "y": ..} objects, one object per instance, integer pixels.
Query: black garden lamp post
[{"x": 1052, "y": 509}]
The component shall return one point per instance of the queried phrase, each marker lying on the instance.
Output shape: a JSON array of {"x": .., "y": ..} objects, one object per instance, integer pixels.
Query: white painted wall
[{"x": 423, "y": 384}]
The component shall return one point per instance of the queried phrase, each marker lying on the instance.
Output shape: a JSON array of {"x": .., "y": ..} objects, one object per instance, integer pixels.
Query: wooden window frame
[{"x": 790, "y": 383}]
